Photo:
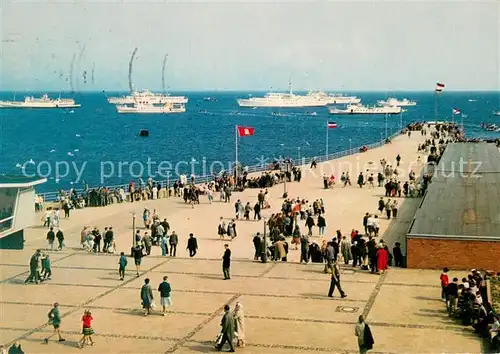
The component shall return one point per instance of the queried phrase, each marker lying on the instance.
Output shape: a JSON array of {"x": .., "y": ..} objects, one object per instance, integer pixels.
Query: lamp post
[
  {"x": 350, "y": 146},
  {"x": 264, "y": 243},
  {"x": 133, "y": 230},
  {"x": 298, "y": 151},
  {"x": 168, "y": 184}
]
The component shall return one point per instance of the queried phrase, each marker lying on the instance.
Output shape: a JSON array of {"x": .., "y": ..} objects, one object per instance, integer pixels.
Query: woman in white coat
[{"x": 239, "y": 319}]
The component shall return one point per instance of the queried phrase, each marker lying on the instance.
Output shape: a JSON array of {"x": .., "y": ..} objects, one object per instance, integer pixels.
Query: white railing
[{"x": 53, "y": 196}]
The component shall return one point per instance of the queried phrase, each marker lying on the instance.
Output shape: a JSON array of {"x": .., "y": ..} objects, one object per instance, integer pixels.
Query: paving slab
[
  {"x": 194, "y": 303},
  {"x": 211, "y": 267},
  {"x": 7, "y": 272},
  {"x": 297, "y": 309},
  {"x": 105, "y": 262},
  {"x": 416, "y": 340},
  {"x": 421, "y": 306},
  {"x": 46, "y": 294},
  {"x": 104, "y": 344},
  {"x": 132, "y": 322},
  {"x": 23, "y": 316},
  {"x": 207, "y": 347},
  {"x": 269, "y": 332}
]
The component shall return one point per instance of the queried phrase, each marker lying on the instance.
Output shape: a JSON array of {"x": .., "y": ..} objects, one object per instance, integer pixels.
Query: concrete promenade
[{"x": 285, "y": 304}]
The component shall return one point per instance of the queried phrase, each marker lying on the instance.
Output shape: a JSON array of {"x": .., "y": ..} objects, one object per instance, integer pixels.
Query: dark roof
[
  {"x": 20, "y": 181},
  {"x": 463, "y": 199}
]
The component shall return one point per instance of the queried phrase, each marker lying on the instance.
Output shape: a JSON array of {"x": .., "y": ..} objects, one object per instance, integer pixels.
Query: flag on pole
[
  {"x": 439, "y": 87},
  {"x": 456, "y": 111},
  {"x": 246, "y": 131},
  {"x": 332, "y": 125}
]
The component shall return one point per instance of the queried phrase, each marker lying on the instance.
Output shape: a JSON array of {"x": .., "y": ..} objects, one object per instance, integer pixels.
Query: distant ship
[
  {"x": 42, "y": 102},
  {"x": 147, "y": 108},
  {"x": 360, "y": 109},
  {"x": 291, "y": 100},
  {"x": 497, "y": 113},
  {"x": 149, "y": 97},
  {"x": 394, "y": 102}
]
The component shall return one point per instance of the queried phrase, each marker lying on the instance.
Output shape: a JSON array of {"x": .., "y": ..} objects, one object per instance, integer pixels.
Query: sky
[{"x": 250, "y": 45}]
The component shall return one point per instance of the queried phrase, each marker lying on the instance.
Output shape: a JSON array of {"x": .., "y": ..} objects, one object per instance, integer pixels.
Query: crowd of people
[{"x": 467, "y": 301}]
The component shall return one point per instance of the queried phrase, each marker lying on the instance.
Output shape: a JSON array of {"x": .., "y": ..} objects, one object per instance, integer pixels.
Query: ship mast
[
  {"x": 130, "y": 70},
  {"x": 290, "y": 86},
  {"x": 163, "y": 72}
]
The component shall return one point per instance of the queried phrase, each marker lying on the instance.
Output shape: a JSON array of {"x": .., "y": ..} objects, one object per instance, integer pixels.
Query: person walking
[
  {"x": 335, "y": 281},
  {"x": 46, "y": 270},
  {"x": 60, "y": 239},
  {"x": 165, "y": 289},
  {"x": 226, "y": 262},
  {"x": 123, "y": 263},
  {"x": 227, "y": 329},
  {"x": 174, "y": 240},
  {"x": 87, "y": 330},
  {"x": 146, "y": 240},
  {"x": 147, "y": 297},
  {"x": 163, "y": 245},
  {"x": 137, "y": 253},
  {"x": 321, "y": 224},
  {"x": 309, "y": 223},
  {"x": 257, "y": 244},
  {"x": 51, "y": 236},
  {"x": 192, "y": 245},
  {"x": 55, "y": 320},
  {"x": 35, "y": 265},
  {"x": 239, "y": 320},
  {"x": 364, "y": 334}
]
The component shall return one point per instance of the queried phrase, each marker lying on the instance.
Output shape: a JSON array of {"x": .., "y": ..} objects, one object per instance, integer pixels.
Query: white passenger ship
[
  {"x": 42, "y": 102},
  {"x": 360, "y": 109},
  {"x": 149, "y": 97},
  {"x": 147, "y": 108}
]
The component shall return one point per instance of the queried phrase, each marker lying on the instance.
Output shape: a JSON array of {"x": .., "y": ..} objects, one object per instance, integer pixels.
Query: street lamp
[
  {"x": 264, "y": 242},
  {"x": 350, "y": 146},
  {"x": 133, "y": 231},
  {"x": 298, "y": 150},
  {"x": 168, "y": 184}
]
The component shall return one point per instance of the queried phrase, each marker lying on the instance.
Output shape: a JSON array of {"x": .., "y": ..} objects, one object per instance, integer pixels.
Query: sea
[{"x": 95, "y": 145}]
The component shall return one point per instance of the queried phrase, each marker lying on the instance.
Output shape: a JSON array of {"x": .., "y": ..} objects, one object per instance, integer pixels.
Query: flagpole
[
  {"x": 326, "y": 140},
  {"x": 435, "y": 105},
  {"x": 236, "y": 162}
]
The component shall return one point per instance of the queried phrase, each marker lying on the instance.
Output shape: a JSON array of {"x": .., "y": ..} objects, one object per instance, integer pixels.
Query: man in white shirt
[{"x": 370, "y": 225}]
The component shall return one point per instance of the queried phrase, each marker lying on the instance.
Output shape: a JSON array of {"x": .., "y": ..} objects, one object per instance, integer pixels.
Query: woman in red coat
[{"x": 382, "y": 259}]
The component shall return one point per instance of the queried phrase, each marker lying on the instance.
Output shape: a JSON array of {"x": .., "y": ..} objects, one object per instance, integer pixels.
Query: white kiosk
[{"x": 17, "y": 209}]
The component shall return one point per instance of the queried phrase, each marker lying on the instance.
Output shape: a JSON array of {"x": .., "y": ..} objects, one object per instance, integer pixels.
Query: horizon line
[{"x": 248, "y": 90}]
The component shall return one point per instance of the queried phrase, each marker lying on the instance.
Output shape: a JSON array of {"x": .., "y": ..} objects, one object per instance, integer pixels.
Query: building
[
  {"x": 17, "y": 209},
  {"x": 458, "y": 222}
]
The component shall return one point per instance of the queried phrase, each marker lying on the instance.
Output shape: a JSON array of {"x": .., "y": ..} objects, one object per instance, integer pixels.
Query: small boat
[
  {"x": 144, "y": 133},
  {"x": 394, "y": 102},
  {"x": 497, "y": 113}
]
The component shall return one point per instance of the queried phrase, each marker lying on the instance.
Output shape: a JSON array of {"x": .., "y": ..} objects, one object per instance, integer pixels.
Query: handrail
[{"x": 53, "y": 196}]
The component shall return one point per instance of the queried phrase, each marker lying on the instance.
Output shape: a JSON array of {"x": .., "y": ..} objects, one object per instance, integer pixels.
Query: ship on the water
[
  {"x": 43, "y": 102},
  {"x": 394, "y": 102},
  {"x": 360, "y": 109},
  {"x": 291, "y": 100},
  {"x": 149, "y": 97},
  {"x": 148, "y": 108}
]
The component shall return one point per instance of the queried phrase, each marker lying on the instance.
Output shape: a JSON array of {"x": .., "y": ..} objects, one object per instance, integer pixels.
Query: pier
[{"x": 286, "y": 307}]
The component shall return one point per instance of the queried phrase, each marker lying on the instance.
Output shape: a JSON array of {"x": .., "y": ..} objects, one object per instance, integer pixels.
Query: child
[
  {"x": 46, "y": 271},
  {"x": 444, "y": 283},
  {"x": 123, "y": 263},
  {"x": 87, "y": 329}
]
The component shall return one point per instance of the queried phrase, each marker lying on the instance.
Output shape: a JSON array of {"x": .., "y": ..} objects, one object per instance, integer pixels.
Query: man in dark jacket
[
  {"x": 257, "y": 244},
  {"x": 192, "y": 245},
  {"x": 227, "y": 328},
  {"x": 60, "y": 239},
  {"x": 226, "y": 262},
  {"x": 173, "y": 241},
  {"x": 51, "y": 236},
  {"x": 335, "y": 281}
]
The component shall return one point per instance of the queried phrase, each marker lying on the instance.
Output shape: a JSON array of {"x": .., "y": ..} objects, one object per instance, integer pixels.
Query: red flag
[
  {"x": 331, "y": 125},
  {"x": 245, "y": 131},
  {"x": 439, "y": 87}
]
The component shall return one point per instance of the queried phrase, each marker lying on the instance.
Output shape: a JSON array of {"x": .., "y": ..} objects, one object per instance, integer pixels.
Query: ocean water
[{"x": 95, "y": 139}]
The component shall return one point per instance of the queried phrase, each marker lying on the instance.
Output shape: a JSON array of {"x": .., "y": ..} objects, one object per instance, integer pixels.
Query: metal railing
[{"x": 53, "y": 196}]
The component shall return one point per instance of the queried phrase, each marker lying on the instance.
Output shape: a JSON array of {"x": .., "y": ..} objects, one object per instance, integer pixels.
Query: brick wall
[{"x": 454, "y": 254}]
